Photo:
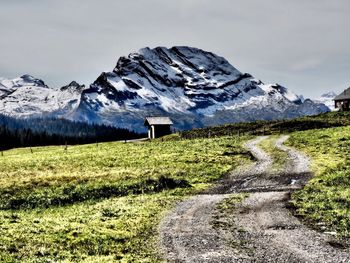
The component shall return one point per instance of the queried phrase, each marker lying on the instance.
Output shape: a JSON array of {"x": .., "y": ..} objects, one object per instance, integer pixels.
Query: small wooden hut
[
  {"x": 158, "y": 126},
  {"x": 342, "y": 101}
]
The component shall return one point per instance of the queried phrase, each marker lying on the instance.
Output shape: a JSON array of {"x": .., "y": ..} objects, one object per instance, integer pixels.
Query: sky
[{"x": 303, "y": 45}]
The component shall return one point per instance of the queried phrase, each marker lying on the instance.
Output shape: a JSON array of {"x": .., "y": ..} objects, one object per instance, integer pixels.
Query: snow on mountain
[
  {"x": 27, "y": 96},
  {"x": 194, "y": 87},
  {"x": 327, "y": 99},
  {"x": 285, "y": 92}
]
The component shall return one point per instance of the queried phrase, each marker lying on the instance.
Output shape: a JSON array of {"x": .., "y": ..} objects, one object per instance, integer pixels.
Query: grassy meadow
[
  {"x": 102, "y": 202},
  {"x": 325, "y": 201}
]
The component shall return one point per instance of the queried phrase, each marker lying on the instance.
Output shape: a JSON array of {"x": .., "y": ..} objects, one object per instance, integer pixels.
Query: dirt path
[
  {"x": 187, "y": 234},
  {"x": 269, "y": 232},
  {"x": 297, "y": 162},
  {"x": 272, "y": 233}
]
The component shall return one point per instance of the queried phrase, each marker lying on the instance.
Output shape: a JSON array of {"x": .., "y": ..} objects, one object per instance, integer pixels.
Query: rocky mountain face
[{"x": 194, "y": 87}]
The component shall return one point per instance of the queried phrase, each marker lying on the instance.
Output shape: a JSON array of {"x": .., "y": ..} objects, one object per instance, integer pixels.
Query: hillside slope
[{"x": 102, "y": 202}]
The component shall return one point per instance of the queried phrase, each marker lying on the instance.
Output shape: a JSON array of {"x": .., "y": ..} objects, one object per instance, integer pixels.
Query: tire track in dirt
[
  {"x": 263, "y": 223},
  {"x": 272, "y": 233},
  {"x": 186, "y": 234}
]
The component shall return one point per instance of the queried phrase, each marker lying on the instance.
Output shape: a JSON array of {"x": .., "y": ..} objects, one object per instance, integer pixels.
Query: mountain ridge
[
  {"x": 327, "y": 99},
  {"x": 194, "y": 87}
]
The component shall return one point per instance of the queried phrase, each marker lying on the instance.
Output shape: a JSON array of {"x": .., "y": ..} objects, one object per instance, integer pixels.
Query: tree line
[{"x": 53, "y": 131}]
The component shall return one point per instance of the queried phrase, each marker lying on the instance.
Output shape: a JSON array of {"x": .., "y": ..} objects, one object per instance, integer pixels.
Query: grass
[
  {"x": 102, "y": 203},
  {"x": 50, "y": 176},
  {"x": 278, "y": 156},
  {"x": 326, "y": 120},
  {"x": 325, "y": 201},
  {"x": 116, "y": 229},
  {"x": 224, "y": 220}
]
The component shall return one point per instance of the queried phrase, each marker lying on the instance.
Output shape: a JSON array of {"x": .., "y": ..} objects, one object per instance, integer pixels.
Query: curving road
[
  {"x": 266, "y": 227},
  {"x": 186, "y": 233}
]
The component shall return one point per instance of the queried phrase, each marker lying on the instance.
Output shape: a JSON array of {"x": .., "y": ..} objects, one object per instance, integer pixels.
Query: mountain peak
[
  {"x": 23, "y": 81},
  {"x": 193, "y": 87},
  {"x": 74, "y": 83},
  {"x": 29, "y": 80},
  {"x": 330, "y": 94},
  {"x": 73, "y": 86},
  {"x": 28, "y": 77},
  {"x": 327, "y": 99}
]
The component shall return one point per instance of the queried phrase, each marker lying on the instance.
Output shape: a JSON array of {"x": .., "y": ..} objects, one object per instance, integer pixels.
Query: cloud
[
  {"x": 306, "y": 64},
  {"x": 302, "y": 44}
]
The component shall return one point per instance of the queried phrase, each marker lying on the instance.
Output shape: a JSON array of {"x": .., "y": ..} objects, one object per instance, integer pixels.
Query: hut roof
[
  {"x": 344, "y": 95},
  {"x": 158, "y": 121}
]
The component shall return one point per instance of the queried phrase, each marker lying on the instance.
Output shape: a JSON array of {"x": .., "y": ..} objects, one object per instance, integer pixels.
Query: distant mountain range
[
  {"x": 327, "y": 99},
  {"x": 194, "y": 87},
  {"x": 30, "y": 97}
]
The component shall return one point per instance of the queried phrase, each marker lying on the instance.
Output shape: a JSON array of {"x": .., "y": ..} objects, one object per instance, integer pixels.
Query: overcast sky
[{"x": 301, "y": 44}]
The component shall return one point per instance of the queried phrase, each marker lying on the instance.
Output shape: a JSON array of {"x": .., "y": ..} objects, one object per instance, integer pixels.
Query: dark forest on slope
[{"x": 42, "y": 131}]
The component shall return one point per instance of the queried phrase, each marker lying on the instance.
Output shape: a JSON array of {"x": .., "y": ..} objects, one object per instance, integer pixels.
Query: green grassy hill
[
  {"x": 101, "y": 203},
  {"x": 326, "y": 120}
]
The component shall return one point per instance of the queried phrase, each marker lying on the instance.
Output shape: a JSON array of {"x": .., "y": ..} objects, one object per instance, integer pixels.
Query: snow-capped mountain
[
  {"x": 327, "y": 99},
  {"x": 27, "y": 96},
  {"x": 194, "y": 87}
]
